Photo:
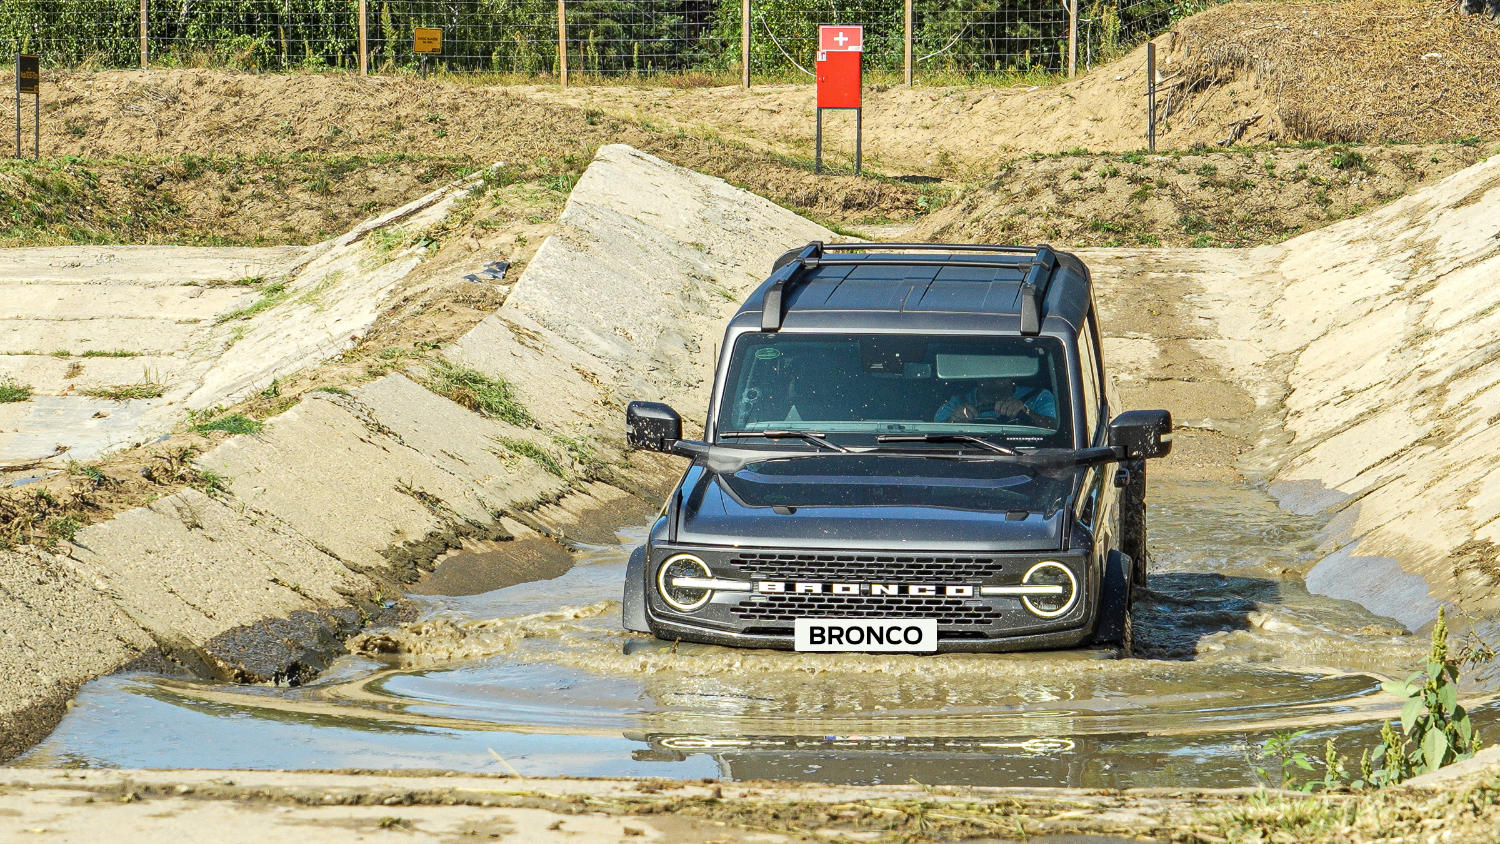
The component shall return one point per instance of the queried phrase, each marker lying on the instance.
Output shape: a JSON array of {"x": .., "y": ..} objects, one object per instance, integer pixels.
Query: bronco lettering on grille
[{"x": 898, "y": 590}]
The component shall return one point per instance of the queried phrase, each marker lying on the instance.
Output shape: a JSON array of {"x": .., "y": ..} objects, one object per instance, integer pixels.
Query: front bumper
[{"x": 968, "y": 621}]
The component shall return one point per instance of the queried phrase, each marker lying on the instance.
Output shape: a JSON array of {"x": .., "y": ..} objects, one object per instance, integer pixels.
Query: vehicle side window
[{"x": 1088, "y": 362}]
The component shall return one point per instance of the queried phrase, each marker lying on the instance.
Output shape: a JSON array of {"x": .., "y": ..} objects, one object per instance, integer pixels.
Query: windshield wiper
[
  {"x": 947, "y": 438},
  {"x": 814, "y": 437}
]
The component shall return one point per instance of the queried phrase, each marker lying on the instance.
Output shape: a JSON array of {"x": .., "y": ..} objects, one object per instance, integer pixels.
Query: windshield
[{"x": 853, "y": 387}]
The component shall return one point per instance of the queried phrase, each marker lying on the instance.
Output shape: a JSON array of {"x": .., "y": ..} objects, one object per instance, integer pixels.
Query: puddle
[{"x": 538, "y": 679}]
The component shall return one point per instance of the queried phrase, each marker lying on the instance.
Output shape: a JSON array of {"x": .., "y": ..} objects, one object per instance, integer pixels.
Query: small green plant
[
  {"x": 1350, "y": 159},
  {"x": 109, "y": 353},
  {"x": 87, "y": 471},
  {"x": 127, "y": 392},
  {"x": 64, "y": 527},
  {"x": 270, "y": 296},
  {"x": 12, "y": 390},
  {"x": 1435, "y": 727},
  {"x": 337, "y": 391},
  {"x": 493, "y": 397},
  {"x": 1208, "y": 171},
  {"x": 233, "y": 423},
  {"x": 533, "y": 452},
  {"x": 1283, "y": 747},
  {"x": 272, "y": 390}
]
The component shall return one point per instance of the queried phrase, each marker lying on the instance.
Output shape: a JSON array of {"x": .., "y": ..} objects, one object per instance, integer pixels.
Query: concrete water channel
[{"x": 538, "y": 679}]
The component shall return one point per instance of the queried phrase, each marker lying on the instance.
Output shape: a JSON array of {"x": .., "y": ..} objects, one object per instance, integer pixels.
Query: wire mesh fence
[{"x": 603, "y": 37}]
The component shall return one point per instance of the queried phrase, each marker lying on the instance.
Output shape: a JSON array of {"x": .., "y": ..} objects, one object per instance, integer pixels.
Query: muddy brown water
[{"x": 537, "y": 679}]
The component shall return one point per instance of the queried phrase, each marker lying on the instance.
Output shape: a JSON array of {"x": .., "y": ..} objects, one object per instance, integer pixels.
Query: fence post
[
  {"x": 745, "y": 44},
  {"x": 1151, "y": 95},
  {"x": 908, "y": 43},
  {"x": 562, "y": 43},
  {"x": 145, "y": 43},
  {"x": 364, "y": 38},
  {"x": 1073, "y": 38}
]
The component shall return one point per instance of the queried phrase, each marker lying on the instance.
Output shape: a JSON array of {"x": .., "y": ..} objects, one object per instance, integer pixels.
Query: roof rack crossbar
[
  {"x": 915, "y": 261},
  {"x": 781, "y": 282},
  {"x": 1034, "y": 289},
  {"x": 874, "y": 246}
]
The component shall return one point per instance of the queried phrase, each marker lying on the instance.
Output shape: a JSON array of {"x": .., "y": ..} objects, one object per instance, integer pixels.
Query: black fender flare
[
  {"x": 633, "y": 601},
  {"x": 1113, "y": 624}
]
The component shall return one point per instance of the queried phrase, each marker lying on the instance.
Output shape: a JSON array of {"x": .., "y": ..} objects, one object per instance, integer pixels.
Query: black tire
[
  {"x": 1133, "y": 521},
  {"x": 1114, "y": 626}
]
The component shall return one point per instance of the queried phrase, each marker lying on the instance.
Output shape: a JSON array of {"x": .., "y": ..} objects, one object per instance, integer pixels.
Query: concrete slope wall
[
  {"x": 179, "y": 319},
  {"x": 344, "y": 499},
  {"x": 1391, "y": 326}
]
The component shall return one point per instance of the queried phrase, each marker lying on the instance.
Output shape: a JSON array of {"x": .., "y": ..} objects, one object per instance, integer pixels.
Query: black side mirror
[
  {"x": 1142, "y": 433},
  {"x": 652, "y": 426}
]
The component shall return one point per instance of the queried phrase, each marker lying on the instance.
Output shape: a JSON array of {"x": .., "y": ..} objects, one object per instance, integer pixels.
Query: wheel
[
  {"x": 1117, "y": 591},
  {"x": 1133, "y": 521}
]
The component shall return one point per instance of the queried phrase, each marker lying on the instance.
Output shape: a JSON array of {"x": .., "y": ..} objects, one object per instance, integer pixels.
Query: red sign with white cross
[{"x": 841, "y": 39}]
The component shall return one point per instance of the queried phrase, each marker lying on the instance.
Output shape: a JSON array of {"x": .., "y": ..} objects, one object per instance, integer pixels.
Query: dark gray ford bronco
[{"x": 910, "y": 447}]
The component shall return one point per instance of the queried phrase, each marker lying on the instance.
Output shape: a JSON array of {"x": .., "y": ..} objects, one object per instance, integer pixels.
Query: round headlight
[
  {"x": 1050, "y": 573},
  {"x": 683, "y": 598}
]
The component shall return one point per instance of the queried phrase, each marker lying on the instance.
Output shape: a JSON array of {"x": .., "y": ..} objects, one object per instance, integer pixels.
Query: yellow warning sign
[{"x": 428, "y": 40}]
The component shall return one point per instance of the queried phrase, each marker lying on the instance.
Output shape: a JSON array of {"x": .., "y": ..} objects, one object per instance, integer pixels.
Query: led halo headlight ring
[
  {"x": 1072, "y": 589},
  {"x": 664, "y": 588}
]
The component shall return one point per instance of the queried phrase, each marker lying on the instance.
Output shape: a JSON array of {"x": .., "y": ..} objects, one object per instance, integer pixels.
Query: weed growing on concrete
[
  {"x": 13, "y": 391},
  {"x": 533, "y": 452},
  {"x": 270, "y": 296},
  {"x": 233, "y": 423},
  {"x": 493, "y": 397},
  {"x": 109, "y": 353},
  {"x": 126, "y": 392},
  {"x": 337, "y": 391}
]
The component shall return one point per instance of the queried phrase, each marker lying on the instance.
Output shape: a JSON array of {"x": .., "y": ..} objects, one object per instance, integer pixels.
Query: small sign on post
[
  {"x": 427, "y": 41},
  {"x": 29, "y": 81},
  {"x": 840, "y": 73}
]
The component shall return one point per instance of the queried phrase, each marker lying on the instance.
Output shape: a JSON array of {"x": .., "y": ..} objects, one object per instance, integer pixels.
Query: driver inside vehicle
[{"x": 1001, "y": 400}]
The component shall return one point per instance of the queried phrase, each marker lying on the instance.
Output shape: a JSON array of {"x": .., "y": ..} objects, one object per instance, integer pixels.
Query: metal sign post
[
  {"x": 29, "y": 81},
  {"x": 1151, "y": 95},
  {"x": 840, "y": 51},
  {"x": 426, "y": 41}
]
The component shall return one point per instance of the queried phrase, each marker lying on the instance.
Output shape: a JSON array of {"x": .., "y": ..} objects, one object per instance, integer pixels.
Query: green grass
[
  {"x": 126, "y": 392},
  {"x": 270, "y": 296},
  {"x": 337, "y": 391},
  {"x": 233, "y": 423},
  {"x": 64, "y": 527},
  {"x": 13, "y": 391},
  {"x": 493, "y": 397},
  {"x": 110, "y": 353},
  {"x": 86, "y": 470},
  {"x": 534, "y": 452}
]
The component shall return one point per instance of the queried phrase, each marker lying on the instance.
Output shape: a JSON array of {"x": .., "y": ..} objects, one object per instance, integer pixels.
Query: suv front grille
[
  {"x": 791, "y": 565},
  {"x": 947, "y": 611}
]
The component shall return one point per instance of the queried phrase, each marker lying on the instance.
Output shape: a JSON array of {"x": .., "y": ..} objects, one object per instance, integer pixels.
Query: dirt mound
[
  {"x": 1372, "y": 70},
  {"x": 215, "y": 156},
  {"x": 1248, "y": 72},
  {"x": 1242, "y": 197}
]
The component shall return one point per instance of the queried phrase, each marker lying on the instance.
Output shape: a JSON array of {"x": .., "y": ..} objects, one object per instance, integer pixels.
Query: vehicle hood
[{"x": 895, "y": 502}]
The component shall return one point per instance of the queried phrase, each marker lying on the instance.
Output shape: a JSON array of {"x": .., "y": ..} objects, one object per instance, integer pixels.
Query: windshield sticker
[{"x": 767, "y": 353}]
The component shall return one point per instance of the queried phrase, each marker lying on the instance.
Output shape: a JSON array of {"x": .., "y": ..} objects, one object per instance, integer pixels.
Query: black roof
[{"x": 921, "y": 286}]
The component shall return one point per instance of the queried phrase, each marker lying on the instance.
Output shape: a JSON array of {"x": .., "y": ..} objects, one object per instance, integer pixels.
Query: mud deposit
[{"x": 538, "y": 680}]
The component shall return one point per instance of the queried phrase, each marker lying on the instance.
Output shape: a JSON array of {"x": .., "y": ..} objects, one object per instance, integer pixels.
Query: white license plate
[{"x": 866, "y": 634}]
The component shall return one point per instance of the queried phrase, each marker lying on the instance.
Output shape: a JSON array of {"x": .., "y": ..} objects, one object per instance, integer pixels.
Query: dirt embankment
[
  {"x": 201, "y": 156},
  {"x": 1247, "y": 73},
  {"x": 1243, "y": 197}
]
